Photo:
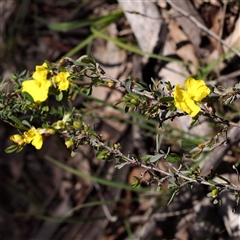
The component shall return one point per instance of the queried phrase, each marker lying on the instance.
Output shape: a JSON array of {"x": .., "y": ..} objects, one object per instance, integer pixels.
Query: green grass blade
[
  {"x": 67, "y": 26},
  {"x": 94, "y": 179},
  {"x": 209, "y": 68},
  {"x": 134, "y": 49},
  {"x": 106, "y": 21}
]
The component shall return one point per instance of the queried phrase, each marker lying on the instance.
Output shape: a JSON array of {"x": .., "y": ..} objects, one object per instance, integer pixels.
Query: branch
[
  {"x": 200, "y": 180},
  {"x": 146, "y": 94}
]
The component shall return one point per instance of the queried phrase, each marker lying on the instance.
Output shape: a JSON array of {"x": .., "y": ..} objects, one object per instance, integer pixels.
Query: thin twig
[
  {"x": 224, "y": 78},
  {"x": 177, "y": 172},
  {"x": 146, "y": 94},
  {"x": 201, "y": 26},
  {"x": 103, "y": 205}
]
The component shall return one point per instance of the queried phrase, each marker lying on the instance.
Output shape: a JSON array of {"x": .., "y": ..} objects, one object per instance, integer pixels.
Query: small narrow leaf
[
  {"x": 187, "y": 145},
  {"x": 136, "y": 183},
  {"x": 173, "y": 195},
  {"x": 59, "y": 96},
  {"x": 11, "y": 149},
  {"x": 146, "y": 157},
  {"x": 173, "y": 158},
  {"x": 120, "y": 165},
  {"x": 17, "y": 121},
  {"x": 26, "y": 123},
  {"x": 128, "y": 85},
  {"x": 166, "y": 99},
  {"x": 102, "y": 154},
  {"x": 156, "y": 158},
  {"x": 197, "y": 154}
]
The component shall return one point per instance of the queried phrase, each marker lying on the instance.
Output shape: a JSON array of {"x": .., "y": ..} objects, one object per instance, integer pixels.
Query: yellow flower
[
  {"x": 39, "y": 86},
  {"x": 41, "y": 72},
  {"x": 61, "y": 80},
  {"x": 17, "y": 138},
  {"x": 187, "y": 100},
  {"x": 33, "y": 137}
]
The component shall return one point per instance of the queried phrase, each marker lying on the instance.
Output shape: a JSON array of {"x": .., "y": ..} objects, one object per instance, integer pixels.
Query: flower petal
[
  {"x": 196, "y": 88},
  {"x": 41, "y": 72},
  {"x": 17, "y": 138},
  {"x": 37, "y": 89},
  {"x": 184, "y": 101},
  {"x": 37, "y": 141},
  {"x": 191, "y": 107},
  {"x": 61, "y": 80},
  {"x": 34, "y": 137}
]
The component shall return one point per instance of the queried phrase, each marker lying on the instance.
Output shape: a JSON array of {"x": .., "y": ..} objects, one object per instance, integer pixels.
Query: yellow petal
[
  {"x": 196, "y": 88},
  {"x": 34, "y": 137},
  {"x": 191, "y": 107},
  {"x": 68, "y": 143},
  {"x": 183, "y": 101},
  {"x": 61, "y": 80},
  {"x": 37, "y": 141},
  {"x": 17, "y": 138},
  {"x": 180, "y": 94},
  {"x": 41, "y": 72},
  {"x": 37, "y": 89}
]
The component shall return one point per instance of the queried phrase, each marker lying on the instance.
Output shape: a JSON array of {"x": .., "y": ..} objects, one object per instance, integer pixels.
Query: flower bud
[
  {"x": 111, "y": 84},
  {"x": 135, "y": 101},
  {"x": 58, "y": 125},
  {"x": 78, "y": 124}
]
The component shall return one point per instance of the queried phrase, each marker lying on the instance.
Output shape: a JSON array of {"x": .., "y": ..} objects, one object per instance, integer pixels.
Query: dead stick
[{"x": 201, "y": 26}]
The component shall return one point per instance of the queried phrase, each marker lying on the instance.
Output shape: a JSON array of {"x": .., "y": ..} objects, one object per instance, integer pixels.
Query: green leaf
[
  {"x": 86, "y": 60},
  {"x": 102, "y": 154},
  {"x": 194, "y": 121},
  {"x": 59, "y": 96},
  {"x": 89, "y": 91},
  {"x": 187, "y": 145},
  {"x": 146, "y": 157},
  {"x": 166, "y": 99},
  {"x": 173, "y": 195},
  {"x": 11, "y": 149},
  {"x": 156, "y": 158},
  {"x": 213, "y": 182},
  {"x": 17, "y": 121},
  {"x": 128, "y": 84},
  {"x": 129, "y": 104},
  {"x": 196, "y": 154},
  {"x": 121, "y": 165},
  {"x": 173, "y": 158},
  {"x": 159, "y": 188},
  {"x": 209, "y": 194},
  {"x": 136, "y": 183},
  {"x": 26, "y": 123}
]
